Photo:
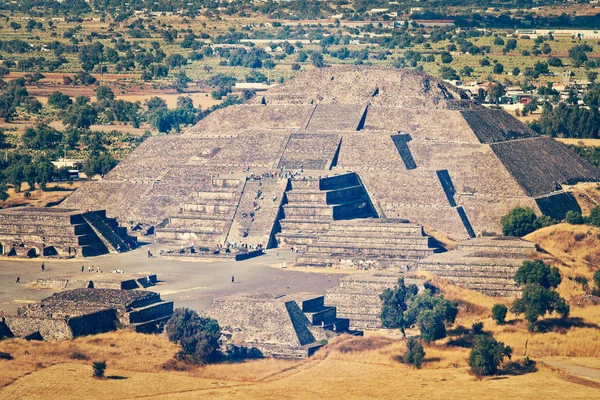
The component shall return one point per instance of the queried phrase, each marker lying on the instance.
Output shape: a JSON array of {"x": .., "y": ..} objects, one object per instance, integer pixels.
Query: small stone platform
[
  {"x": 80, "y": 312},
  {"x": 61, "y": 233},
  {"x": 277, "y": 325},
  {"x": 356, "y": 296},
  {"x": 484, "y": 264}
]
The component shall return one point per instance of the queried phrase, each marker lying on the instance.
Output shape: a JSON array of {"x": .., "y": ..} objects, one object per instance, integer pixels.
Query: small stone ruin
[
  {"x": 484, "y": 264},
  {"x": 58, "y": 232},
  {"x": 277, "y": 325},
  {"x": 79, "y": 312}
]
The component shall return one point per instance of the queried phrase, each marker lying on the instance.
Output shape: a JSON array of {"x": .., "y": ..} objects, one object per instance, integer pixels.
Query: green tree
[
  {"x": 498, "y": 68},
  {"x": 536, "y": 271},
  {"x": 99, "y": 164},
  {"x": 104, "y": 93},
  {"x": 574, "y": 218},
  {"x": 431, "y": 313},
  {"x": 80, "y": 116},
  {"x": 414, "y": 353},
  {"x": 395, "y": 305},
  {"x": 59, "y": 100},
  {"x": 41, "y": 137},
  {"x": 154, "y": 103},
  {"x": 495, "y": 92},
  {"x": 198, "y": 336},
  {"x": 181, "y": 81},
  {"x": 518, "y": 222},
  {"x": 466, "y": 71},
  {"x": 499, "y": 313},
  {"x": 446, "y": 57},
  {"x": 594, "y": 217},
  {"x": 487, "y": 355},
  {"x": 539, "y": 297},
  {"x": 516, "y": 71},
  {"x": 537, "y": 301},
  {"x": 316, "y": 59},
  {"x": 597, "y": 278},
  {"x": 448, "y": 74},
  {"x": 302, "y": 56},
  {"x": 99, "y": 368}
]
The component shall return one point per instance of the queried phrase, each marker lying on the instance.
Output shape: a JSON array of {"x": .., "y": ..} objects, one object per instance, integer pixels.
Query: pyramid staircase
[
  {"x": 325, "y": 317},
  {"x": 206, "y": 216},
  {"x": 257, "y": 212},
  {"x": 375, "y": 242},
  {"x": 313, "y": 204},
  {"x": 113, "y": 236}
]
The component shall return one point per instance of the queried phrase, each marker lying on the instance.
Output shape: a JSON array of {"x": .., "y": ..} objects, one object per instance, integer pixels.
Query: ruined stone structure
[
  {"x": 31, "y": 232},
  {"x": 104, "y": 281},
  {"x": 403, "y": 144},
  {"x": 79, "y": 312},
  {"x": 277, "y": 325},
  {"x": 485, "y": 264},
  {"x": 356, "y": 296}
]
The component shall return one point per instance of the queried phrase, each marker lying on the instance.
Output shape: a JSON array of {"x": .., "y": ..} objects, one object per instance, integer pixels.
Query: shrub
[
  {"x": 597, "y": 278},
  {"x": 574, "y": 218},
  {"x": 487, "y": 355},
  {"x": 77, "y": 355},
  {"x": 99, "y": 368},
  {"x": 198, "y": 336},
  {"x": 594, "y": 217},
  {"x": 414, "y": 353},
  {"x": 499, "y": 313},
  {"x": 240, "y": 353},
  {"x": 522, "y": 221},
  {"x": 477, "y": 328},
  {"x": 5, "y": 356},
  {"x": 518, "y": 222}
]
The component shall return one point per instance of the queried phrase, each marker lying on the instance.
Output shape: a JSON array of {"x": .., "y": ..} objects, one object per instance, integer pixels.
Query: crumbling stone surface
[
  {"x": 277, "y": 325},
  {"x": 485, "y": 264},
  {"x": 59, "y": 232},
  {"x": 78, "y": 312}
]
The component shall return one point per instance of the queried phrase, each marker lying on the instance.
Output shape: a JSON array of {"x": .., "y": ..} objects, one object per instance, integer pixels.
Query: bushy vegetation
[
  {"x": 499, "y": 313},
  {"x": 487, "y": 355},
  {"x": 199, "y": 337},
  {"x": 404, "y": 307},
  {"x": 414, "y": 353},
  {"x": 538, "y": 282},
  {"x": 521, "y": 221},
  {"x": 99, "y": 368}
]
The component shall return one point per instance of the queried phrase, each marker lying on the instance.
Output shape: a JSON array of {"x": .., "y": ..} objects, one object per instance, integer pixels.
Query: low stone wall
[
  {"x": 90, "y": 324},
  {"x": 150, "y": 313},
  {"x": 39, "y": 328}
]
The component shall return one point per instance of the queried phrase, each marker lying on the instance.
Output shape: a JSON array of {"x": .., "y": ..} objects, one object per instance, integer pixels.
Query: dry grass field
[{"x": 354, "y": 368}]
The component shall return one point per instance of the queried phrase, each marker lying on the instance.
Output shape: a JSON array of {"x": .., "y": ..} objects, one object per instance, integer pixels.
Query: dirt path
[{"x": 573, "y": 369}]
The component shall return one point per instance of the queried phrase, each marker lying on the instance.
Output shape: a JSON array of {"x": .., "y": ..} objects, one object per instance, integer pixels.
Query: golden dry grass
[
  {"x": 580, "y": 142},
  {"x": 576, "y": 249},
  {"x": 39, "y": 198},
  {"x": 362, "y": 370}
]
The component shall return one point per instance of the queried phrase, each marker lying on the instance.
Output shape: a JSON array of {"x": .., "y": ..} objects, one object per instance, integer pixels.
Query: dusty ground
[{"x": 189, "y": 283}]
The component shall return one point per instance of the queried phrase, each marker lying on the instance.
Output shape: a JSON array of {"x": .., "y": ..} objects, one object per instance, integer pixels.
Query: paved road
[
  {"x": 573, "y": 368},
  {"x": 192, "y": 284}
]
